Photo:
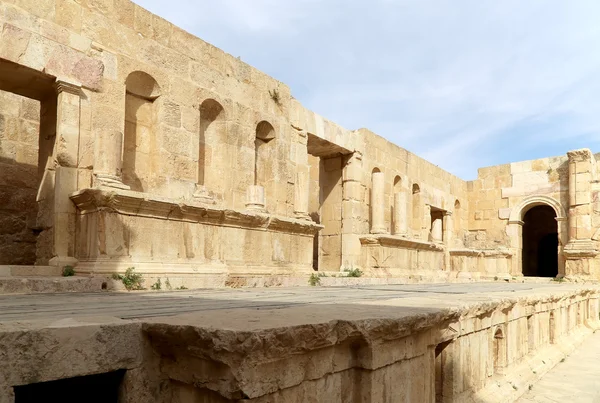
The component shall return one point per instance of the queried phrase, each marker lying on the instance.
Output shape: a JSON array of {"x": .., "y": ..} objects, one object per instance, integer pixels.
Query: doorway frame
[{"x": 515, "y": 230}]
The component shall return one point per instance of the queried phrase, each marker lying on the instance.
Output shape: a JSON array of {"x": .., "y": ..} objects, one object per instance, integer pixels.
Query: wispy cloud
[{"x": 463, "y": 83}]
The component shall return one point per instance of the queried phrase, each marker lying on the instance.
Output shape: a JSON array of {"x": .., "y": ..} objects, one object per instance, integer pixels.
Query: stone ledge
[
  {"x": 132, "y": 203},
  {"x": 400, "y": 242},
  {"x": 578, "y": 249},
  {"x": 482, "y": 252}
]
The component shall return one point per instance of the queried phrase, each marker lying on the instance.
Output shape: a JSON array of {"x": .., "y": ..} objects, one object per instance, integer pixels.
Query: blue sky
[{"x": 462, "y": 83}]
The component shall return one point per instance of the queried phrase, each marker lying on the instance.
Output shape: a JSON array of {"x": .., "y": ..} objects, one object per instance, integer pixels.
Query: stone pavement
[
  {"x": 576, "y": 380},
  {"x": 152, "y": 304}
]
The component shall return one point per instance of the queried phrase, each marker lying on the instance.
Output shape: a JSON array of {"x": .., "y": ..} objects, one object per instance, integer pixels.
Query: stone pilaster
[
  {"x": 581, "y": 249},
  {"x": 400, "y": 213},
  {"x": 448, "y": 227},
  {"x": 353, "y": 210},
  {"x": 377, "y": 203},
  {"x": 66, "y": 154},
  {"x": 301, "y": 193}
]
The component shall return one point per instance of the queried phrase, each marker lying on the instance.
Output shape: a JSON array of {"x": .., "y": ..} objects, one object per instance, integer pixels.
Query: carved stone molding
[
  {"x": 68, "y": 87},
  {"x": 145, "y": 205},
  {"x": 400, "y": 242}
]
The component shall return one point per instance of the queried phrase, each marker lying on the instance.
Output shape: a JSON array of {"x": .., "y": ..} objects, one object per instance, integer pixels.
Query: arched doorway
[{"x": 540, "y": 242}]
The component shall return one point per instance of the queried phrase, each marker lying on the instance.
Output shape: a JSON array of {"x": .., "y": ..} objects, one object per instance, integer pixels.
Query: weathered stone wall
[
  {"x": 456, "y": 346},
  {"x": 19, "y": 179},
  {"x": 500, "y": 189},
  {"x": 143, "y": 105}
]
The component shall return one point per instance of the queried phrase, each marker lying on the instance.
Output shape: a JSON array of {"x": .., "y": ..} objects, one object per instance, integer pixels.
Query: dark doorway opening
[
  {"x": 442, "y": 367},
  {"x": 102, "y": 388},
  {"x": 540, "y": 242}
]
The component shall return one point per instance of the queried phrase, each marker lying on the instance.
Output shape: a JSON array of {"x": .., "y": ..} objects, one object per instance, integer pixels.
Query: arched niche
[
  {"x": 458, "y": 224},
  {"x": 142, "y": 85},
  {"x": 418, "y": 211},
  {"x": 212, "y": 147},
  {"x": 499, "y": 350},
  {"x": 265, "y": 159},
  {"x": 140, "y": 153}
]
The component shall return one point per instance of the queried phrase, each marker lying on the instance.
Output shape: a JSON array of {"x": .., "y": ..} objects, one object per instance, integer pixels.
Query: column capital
[{"x": 70, "y": 87}]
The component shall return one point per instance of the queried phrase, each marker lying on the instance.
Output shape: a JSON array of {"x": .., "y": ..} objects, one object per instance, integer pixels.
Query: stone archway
[{"x": 515, "y": 229}]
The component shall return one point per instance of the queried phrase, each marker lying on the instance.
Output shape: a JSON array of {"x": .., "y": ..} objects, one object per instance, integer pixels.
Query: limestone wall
[
  {"x": 498, "y": 190},
  {"x": 136, "y": 103},
  {"x": 19, "y": 178},
  {"x": 423, "y": 347}
]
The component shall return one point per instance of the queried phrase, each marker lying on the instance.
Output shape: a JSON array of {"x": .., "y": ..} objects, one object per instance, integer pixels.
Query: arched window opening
[
  {"x": 499, "y": 350},
  {"x": 211, "y": 168},
  {"x": 139, "y": 142},
  {"x": 264, "y": 161},
  {"x": 540, "y": 242}
]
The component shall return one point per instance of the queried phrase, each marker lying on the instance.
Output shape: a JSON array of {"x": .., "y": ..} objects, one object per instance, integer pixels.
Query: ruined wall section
[
  {"x": 19, "y": 131},
  {"x": 98, "y": 44},
  {"x": 498, "y": 190},
  {"x": 437, "y": 187}
]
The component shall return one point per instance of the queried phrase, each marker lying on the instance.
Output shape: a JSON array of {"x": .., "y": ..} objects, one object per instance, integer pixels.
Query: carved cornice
[
  {"x": 400, "y": 242},
  {"x": 505, "y": 253},
  {"x": 581, "y": 248},
  {"x": 68, "y": 87},
  {"x": 138, "y": 204}
]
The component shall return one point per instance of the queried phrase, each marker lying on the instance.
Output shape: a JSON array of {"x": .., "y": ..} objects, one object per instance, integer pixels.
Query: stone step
[
  {"x": 34, "y": 285},
  {"x": 29, "y": 271}
]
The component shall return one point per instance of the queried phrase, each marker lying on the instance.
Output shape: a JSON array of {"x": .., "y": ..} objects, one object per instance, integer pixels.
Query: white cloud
[{"x": 463, "y": 83}]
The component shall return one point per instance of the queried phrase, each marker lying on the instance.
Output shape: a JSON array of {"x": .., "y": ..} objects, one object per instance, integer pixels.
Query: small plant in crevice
[
  {"x": 354, "y": 272},
  {"x": 131, "y": 281},
  {"x": 275, "y": 96},
  {"x": 515, "y": 387},
  {"x": 558, "y": 279},
  {"x": 562, "y": 360},
  {"x": 530, "y": 386},
  {"x": 495, "y": 278},
  {"x": 181, "y": 287},
  {"x": 157, "y": 286},
  {"x": 321, "y": 274},
  {"x": 68, "y": 271},
  {"x": 168, "y": 284},
  {"x": 314, "y": 280}
]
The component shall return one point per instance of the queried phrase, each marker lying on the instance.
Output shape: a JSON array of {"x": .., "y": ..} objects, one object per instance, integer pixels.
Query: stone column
[
  {"x": 301, "y": 193},
  {"x": 255, "y": 198},
  {"x": 448, "y": 227},
  {"x": 580, "y": 248},
  {"x": 417, "y": 215},
  {"x": 66, "y": 152},
  {"x": 108, "y": 131},
  {"x": 377, "y": 203},
  {"x": 354, "y": 212},
  {"x": 437, "y": 230},
  {"x": 400, "y": 214}
]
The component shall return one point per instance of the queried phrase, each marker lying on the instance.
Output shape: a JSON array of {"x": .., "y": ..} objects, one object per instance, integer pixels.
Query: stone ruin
[{"x": 127, "y": 142}]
